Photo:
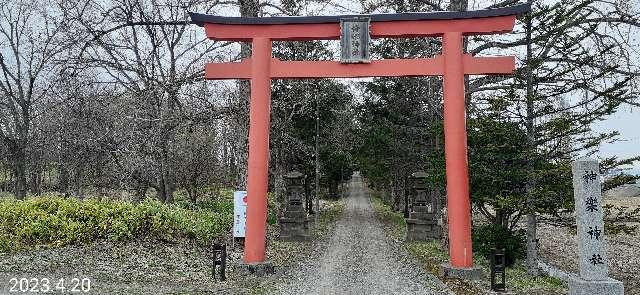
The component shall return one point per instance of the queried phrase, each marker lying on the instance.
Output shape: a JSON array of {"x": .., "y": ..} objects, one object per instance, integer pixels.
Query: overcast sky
[{"x": 627, "y": 122}]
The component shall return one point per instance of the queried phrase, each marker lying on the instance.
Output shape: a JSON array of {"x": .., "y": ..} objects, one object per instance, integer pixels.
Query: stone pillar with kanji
[{"x": 593, "y": 278}]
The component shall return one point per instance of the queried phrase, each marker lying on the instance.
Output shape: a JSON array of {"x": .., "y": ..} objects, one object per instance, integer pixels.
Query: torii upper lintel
[{"x": 397, "y": 25}]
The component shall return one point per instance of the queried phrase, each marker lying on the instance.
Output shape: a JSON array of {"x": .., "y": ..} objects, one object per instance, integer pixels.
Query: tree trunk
[
  {"x": 444, "y": 219},
  {"x": 140, "y": 191},
  {"x": 192, "y": 188},
  {"x": 193, "y": 195},
  {"x": 20, "y": 171},
  {"x": 248, "y": 8},
  {"x": 333, "y": 189},
  {"x": 79, "y": 181},
  {"x": 160, "y": 190},
  {"x": 278, "y": 172},
  {"x": 5, "y": 177},
  {"x": 63, "y": 179},
  {"x": 166, "y": 179},
  {"x": 502, "y": 219},
  {"x": 35, "y": 179},
  {"x": 21, "y": 180},
  {"x": 308, "y": 195},
  {"x": 169, "y": 186},
  {"x": 459, "y": 5},
  {"x": 532, "y": 251}
]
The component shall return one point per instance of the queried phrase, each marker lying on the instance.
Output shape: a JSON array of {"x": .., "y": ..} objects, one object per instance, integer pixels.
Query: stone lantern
[
  {"x": 418, "y": 187},
  {"x": 422, "y": 223},
  {"x": 294, "y": 197},
  {"x": 294, "y": 221}
]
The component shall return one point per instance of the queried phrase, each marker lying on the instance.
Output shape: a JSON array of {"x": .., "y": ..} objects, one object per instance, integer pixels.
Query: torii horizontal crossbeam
[{"x": 377, "y": 68}]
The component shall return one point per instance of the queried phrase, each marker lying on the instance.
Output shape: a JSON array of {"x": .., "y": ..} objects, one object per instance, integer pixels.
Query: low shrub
[
  {"x": 486, "y": 237},
  {"x": 57, "y": 221}
]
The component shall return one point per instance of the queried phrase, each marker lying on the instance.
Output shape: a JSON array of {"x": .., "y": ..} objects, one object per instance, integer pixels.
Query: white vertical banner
[{"x": 239, "y": 213}]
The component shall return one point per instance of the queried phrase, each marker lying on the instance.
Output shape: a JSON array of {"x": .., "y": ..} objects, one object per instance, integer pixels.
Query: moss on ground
[{"x": 432, "y": 254}]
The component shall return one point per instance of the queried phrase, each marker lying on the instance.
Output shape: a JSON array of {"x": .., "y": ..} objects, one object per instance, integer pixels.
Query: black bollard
[
  {"x": 498, "y": 267},
  {"x": 220, "y": 259}
]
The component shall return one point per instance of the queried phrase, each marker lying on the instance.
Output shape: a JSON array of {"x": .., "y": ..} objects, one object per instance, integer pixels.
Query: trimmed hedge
[{"x": 57, "y": 221}]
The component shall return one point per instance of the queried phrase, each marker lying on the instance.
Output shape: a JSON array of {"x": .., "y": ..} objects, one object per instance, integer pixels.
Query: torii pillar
[{"x": 453, "y": 64}]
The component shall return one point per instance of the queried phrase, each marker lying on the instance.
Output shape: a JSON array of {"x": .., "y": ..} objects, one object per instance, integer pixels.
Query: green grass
[
  {"x": 386, "y": 214},
  {"x": 520, "y": 280},
  {"x": 53, "y": 221},
  {"x": 431, "y": 254}
]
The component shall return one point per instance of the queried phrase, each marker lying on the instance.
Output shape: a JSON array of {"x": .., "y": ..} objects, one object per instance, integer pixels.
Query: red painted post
[
  {"x": 258, "y": 165},
  {"x": 455, "y": 147}
]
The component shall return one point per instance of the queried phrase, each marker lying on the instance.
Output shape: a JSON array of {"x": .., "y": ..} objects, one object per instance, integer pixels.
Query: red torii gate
[{"x": 453, "y": 64}]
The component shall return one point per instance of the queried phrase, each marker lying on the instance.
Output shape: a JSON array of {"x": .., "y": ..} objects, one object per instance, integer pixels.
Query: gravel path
[{"x": 360, "y": 259}]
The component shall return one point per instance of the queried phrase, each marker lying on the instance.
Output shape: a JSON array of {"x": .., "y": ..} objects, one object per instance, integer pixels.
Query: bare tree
[
  {"x": 152, "y": 53},
  {"x": 33, "y": 37},
  {"x": 239, "y": 122}
]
